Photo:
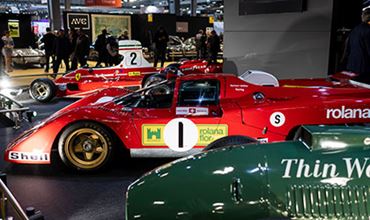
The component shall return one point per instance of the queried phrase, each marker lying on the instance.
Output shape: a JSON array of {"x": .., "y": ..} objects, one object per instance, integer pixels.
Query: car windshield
[{"x": 156, "y": 96}]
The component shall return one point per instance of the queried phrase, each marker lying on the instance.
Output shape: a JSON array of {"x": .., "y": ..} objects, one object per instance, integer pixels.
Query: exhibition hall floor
[{"x": 62, "y": 194}]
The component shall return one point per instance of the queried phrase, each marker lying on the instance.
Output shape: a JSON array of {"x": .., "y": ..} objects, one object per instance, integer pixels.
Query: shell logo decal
[{"x": 78, "y": 76}]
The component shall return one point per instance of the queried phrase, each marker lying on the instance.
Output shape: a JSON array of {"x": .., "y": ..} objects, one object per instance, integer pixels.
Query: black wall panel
[{"x": 25, "y": 30}]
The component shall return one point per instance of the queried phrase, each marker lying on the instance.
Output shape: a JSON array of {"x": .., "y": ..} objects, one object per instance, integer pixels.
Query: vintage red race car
[
  {"x": 181, "y": 116},
  {"x": 133, "y": 72}
]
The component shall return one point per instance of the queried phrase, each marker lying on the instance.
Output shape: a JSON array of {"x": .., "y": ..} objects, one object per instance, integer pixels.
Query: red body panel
[
  {"x": 272, "y": 117},
  {"x": 83, "y": 81}
]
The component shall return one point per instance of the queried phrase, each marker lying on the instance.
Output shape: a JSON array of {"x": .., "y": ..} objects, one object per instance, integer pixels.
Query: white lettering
[
  {"x": 347, "y": 113},
  {"x": 288, "y": 166},
  {"x": 355, "y": 165}
]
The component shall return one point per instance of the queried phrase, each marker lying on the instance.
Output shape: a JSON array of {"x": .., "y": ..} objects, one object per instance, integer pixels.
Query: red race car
[
  {"x": 181, "y": 116},
  {"x": 134, "y": 71}
]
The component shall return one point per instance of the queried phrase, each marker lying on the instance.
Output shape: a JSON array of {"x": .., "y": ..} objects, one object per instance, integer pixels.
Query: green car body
[{"x": 323, "y": 174}]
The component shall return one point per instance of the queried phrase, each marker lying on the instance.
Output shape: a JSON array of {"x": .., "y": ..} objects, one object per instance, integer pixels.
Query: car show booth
[{"x": 140, "y": 27}]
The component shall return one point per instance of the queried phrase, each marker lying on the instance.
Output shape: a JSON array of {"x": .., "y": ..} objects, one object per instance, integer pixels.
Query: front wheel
[
  {"x": 43, "y": 90},
  {"x": 85, "y": 146},
  {"x": 229, "y": 141}
]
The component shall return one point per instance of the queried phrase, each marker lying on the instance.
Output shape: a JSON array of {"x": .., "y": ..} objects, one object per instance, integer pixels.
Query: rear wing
[
  {"x": 319, "y": 137},
  {"x": 132, "y": 53}
]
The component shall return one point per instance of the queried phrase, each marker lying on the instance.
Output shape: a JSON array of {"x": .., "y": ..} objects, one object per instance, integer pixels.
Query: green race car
[{"x": 323, "y": 174}]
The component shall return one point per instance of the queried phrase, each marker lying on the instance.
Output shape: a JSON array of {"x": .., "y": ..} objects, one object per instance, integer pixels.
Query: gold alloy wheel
[{"x": 86, "y": 148}]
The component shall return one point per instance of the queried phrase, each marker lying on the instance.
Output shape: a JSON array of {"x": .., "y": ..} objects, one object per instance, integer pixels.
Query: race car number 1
[{"x": 180, "y": 134}]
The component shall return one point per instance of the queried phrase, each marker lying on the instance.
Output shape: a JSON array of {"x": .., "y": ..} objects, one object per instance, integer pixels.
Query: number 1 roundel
[{"x": 180, "y": 134}]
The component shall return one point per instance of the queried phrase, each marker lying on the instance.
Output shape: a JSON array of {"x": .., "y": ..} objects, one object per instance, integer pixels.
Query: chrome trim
[
  {"x": 161, "y": 152},
  {"x": 361, "y": 84}
]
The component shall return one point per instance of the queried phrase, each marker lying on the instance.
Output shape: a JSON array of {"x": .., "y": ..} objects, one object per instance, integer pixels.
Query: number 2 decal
[{"x": 133, "y": 56}]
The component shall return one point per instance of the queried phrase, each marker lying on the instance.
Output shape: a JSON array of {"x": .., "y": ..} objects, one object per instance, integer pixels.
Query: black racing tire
[
  {"x": 43, "y": 90},
  {"x": 153, "y": 79},
  {"x": 229, "y": 141},
  {"x": 86, "y": 146}
]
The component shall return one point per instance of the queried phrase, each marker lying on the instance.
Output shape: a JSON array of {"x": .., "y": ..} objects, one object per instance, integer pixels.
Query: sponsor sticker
[
  {"x": 134, "y": 73},
  {"x": 78, "y": 76},
  {"x": 263, "y": 140},
  {"x": 347, "y": 113},
  {"x": 196, "y": 111},
  {"x": 28, "y": 156},
  {"x": 350, "y": 168},
  {"x": 277, "y": 119},
  {"x": 153, "y": 134}
]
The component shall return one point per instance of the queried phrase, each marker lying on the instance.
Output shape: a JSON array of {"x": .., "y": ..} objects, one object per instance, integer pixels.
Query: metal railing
[{"x": 8, "y": 197}]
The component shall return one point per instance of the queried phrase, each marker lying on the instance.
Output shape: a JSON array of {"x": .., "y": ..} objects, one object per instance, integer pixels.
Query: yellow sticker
[
  {"x": 211, "y": 19},
  {"x": 78, "y": 76},
  {"x": 136, "y": 73},
  {"x": 150, "y": 17},
  {"x": 210, "y": 133},
  {"x": 153, "y": 134}
]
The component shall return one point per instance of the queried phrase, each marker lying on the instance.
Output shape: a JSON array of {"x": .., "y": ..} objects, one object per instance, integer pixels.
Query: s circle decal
[{"x": 277, "y": 119}]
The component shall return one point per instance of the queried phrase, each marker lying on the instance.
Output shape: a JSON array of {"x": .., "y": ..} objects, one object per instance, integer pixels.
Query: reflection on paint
[{"x": 226, "y": 170}]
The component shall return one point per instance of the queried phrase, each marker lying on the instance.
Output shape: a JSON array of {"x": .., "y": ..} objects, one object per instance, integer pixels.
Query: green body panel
[{"x": 278, "y": 180}]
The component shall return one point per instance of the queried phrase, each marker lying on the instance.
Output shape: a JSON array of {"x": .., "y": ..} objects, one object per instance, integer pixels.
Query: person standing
[
  {"x": 160, "y": 46},
  {"x": 358, "y": 49},
  {"x": 7, "y": 51},
  {"x": 48, "y": 40},
  {"x": 62, "y": 48},
  {"x": 200, "y": 44},
  {"x": 72, "y": 35},
  {"x": 2, "y": 72},
  {"x": 113, "y": 51},
  {"x": 82, "y": 48},
  {"x": 124, "y": 36},
  {"x": 213, "y": 46},
  {"x": 101, "y": 47}
]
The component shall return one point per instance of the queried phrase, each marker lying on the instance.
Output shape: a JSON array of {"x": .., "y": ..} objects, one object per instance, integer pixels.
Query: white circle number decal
[
  {"x": 277, "y": 119},
  {"x": 180, "y": 134}
]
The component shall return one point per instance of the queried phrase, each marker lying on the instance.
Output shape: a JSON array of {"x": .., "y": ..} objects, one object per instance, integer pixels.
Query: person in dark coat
[
  {"x": 48, "y": 40},
  {"x": 2, "y": 71},
  {"x": 82, "y": 48},
  {"x": 72, "y": 35},
  {"x": 213, "y": 46},
  {"x": 113, "y": 51},
  {"x": 101, "y": 47},
  {"x": 160, "y": 46},
  {"x": 358, "y": 49},
  {"x": 200, "y": 44},
  {"x": 62, "y": 48}
]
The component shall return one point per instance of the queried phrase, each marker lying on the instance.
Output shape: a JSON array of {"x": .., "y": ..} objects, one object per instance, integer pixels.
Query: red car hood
[{"x": 99, "y": 98}]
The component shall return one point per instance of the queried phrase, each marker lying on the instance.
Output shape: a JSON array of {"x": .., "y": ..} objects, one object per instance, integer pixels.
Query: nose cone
[{"x": 198, "y": 187}]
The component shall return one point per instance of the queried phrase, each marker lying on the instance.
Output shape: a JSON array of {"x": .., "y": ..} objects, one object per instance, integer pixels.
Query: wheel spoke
[
  {"x": 78, "y": 148},
  {"x": 88, "y": 155}
]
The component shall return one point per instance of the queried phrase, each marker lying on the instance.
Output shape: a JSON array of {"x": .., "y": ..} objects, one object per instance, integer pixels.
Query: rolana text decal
[{"x": 344, "y": 112}]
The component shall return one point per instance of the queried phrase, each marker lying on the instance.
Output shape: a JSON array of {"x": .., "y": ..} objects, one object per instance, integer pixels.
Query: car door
[
  {"x": 184, "y": 125},
  {"x": 199, "y": 101}
]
